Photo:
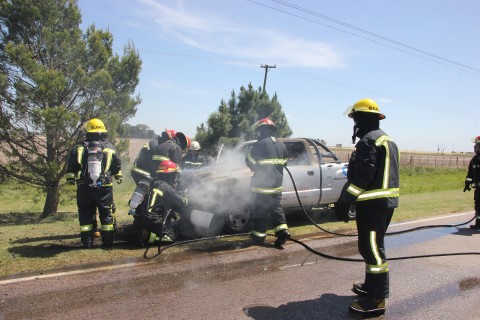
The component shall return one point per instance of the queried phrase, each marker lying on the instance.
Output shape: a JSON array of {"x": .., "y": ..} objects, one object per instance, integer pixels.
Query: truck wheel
[
  {"x": 352, "y": 213},
  {"x": 238, "y": 220}
]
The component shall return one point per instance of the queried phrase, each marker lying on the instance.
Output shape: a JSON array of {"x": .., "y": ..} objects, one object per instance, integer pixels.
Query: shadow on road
[{"x": 329, "y": 307}]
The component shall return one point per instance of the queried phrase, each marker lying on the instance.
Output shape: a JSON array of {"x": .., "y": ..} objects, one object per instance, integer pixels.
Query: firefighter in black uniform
[
  {"x": 373, "y": 186},
  {"x": 193, "y": 159},
  {"x": 91, "y": 165},
  {"x": 163, "y": 201},
  {"x": 266, "y": 159},
  {"x": 167, "y": 146},
  {"x": 473, "y": 181}
]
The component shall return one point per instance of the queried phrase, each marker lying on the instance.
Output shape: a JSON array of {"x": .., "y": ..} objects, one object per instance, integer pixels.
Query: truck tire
[
  {"x": 352, "y": 213},
  {"x": 238, "y": 220}
]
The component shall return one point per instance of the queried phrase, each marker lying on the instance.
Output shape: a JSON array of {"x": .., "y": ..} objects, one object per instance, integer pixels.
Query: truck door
[
  {"x": 333, "y": 172},
  {"x": 305, "y": 172}
]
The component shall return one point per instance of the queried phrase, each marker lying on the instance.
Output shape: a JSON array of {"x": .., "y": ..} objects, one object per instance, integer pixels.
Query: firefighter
[
  {"x": 373, "y": 186},
  {"x": 91, "y": 165},
  {"x": 170, "y": 145},
  {"x": 266, "y": 159},
  {"x": 473, "y": 181},
  {"x": 163, "y": 201},
  {"x": 193, "y": 159}
]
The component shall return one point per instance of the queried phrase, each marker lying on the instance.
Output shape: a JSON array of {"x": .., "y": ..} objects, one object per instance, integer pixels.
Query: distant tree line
[{"x": 139, "y": 131}]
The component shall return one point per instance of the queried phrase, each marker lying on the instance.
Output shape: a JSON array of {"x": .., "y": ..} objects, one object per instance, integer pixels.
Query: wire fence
[{"x": 423, "y": 160}]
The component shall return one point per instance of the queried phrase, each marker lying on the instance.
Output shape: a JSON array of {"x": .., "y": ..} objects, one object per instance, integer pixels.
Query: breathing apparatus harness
[{"x": 324, "y": 255}]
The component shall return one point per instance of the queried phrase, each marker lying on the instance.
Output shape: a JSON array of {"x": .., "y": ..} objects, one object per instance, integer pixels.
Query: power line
[{"x": 420, "y": 53}]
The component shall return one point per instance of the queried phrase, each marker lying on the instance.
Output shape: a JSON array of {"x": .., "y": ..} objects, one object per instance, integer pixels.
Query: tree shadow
[
  {"x": 328, "y": 307},
  {"x": 65, "y": 243},
  {"x": 24, "y": 218}
]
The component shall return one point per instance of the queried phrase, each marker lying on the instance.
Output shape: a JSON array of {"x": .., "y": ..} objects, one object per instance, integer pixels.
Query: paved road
[{"x": 239, "y": 281}]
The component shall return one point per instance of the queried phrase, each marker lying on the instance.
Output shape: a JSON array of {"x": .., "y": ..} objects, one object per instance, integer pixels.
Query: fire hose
[{"x": 162, "y": 248}]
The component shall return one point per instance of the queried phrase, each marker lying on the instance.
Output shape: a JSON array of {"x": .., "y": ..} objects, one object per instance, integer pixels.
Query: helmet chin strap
[{"x": 355, "y": 131}]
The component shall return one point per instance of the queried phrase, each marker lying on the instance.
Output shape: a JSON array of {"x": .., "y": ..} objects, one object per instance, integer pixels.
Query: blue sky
[{"x": 418, "y": 59}]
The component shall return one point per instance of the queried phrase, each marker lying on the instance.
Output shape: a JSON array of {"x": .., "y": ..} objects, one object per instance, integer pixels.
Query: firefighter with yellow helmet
[
  {"x": 92, "y": 164},
  {"x": 472, "y": 180},
  {"x": 373, "y": 187}
]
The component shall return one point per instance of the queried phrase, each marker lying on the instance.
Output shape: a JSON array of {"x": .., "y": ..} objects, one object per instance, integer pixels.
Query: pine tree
[{"x": 53, "y": 78}]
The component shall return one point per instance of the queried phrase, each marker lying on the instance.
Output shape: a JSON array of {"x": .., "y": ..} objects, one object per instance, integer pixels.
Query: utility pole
[{"x": 266, "y": 66}]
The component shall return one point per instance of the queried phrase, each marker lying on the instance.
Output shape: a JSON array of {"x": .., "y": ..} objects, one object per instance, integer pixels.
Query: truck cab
[{"x": 224, "y": 188}]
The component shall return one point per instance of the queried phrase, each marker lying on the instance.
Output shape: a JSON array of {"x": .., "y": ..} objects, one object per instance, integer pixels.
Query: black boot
[
  {"x": 256, "y": 238},
  {"x": 282, "y": 237},
  {"x": 367, "y": 305},
  {"x": 87, "y": 239},
  {"x": 359, "y": 289},
  {"x": 476, "y": 226},
  {"x": 107, "y": 239}
]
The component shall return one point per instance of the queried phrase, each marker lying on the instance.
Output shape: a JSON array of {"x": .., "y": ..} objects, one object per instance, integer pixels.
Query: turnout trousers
[
  {"x": 88, "y": 201},
  {"x": 372, "y": 224},
  {"x": 267, "y": 207}
]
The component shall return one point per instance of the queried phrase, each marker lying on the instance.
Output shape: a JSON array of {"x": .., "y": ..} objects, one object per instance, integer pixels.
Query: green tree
[
  {"x": 233, "y": 121},
  {"x": 139, "y": 131},
  {"x": 53, "y": 78}
]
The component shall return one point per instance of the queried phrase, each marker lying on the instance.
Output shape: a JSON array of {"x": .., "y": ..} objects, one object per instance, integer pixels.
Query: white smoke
[{"x": 219, "y": 188}]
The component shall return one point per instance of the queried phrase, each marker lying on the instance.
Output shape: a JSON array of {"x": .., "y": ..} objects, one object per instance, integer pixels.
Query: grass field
[{"x": 30, "y": 245}]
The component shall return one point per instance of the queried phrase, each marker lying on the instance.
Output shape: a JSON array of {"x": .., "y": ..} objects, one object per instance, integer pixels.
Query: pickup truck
[{"x": 223, "y": 189}]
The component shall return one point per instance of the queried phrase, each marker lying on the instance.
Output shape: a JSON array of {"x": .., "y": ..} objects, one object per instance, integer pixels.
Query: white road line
[
  {"x": 431, "y": 219},
  {"x": 67, "y": 273}
]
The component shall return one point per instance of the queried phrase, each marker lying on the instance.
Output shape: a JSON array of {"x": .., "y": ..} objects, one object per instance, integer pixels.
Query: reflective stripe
[
  {"x": 267, "y": 190},
  {"x": 160, "y": 158},
  {"x": 353, "y": 189},
  {"x": 194, "y": 163},
  {"x": 384, "y": 191},
  {"x": 108, "y": 162},
  {"x": 250, "y": 159},
  {"x": 376, "y": 269},
  {"x": 86, "y": 228},
  {"x": 382, "y": 141},
  {"x": 140, "y": 171},
  {"x": 259, "y": 234},
  {"x": 469, "y": 180},
  {"x": 155, "y": 193},
  {"x": 374, "y": 248},
  {"x": 280, "y": 228},
  {"x": 108, "y": 227},
  {"x": 70, "y": 175},
  {"x": 166, "y": 238},
  {"x": 80, "y": 151},
  {"x": 379, "y": 193},
  {"x": 272, "y": 161},
  {"x": 152, "y": 237}
]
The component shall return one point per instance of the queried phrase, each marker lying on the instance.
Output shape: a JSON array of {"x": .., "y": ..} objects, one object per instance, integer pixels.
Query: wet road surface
[{"x": 240, "y": 281}]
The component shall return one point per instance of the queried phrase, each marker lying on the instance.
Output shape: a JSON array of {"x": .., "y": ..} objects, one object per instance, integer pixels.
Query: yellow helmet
[
  {"x": 366, "y": 105},
  {"x": 95, "y": 126}
]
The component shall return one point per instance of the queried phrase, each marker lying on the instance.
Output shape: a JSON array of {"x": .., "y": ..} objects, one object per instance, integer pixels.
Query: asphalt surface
[{"x": 241, "y": 281}]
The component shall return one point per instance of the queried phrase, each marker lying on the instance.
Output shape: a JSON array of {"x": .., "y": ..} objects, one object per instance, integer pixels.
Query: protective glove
[
  {"x": 341, "y": 210},
  {"x": 467, "y": 186},
  {"x": 71, "y": 181}
]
